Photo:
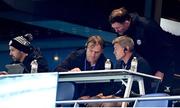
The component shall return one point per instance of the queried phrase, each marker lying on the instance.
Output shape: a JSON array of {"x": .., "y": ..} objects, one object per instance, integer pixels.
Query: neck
[
  {"x": 23, "y": 57},
  {"x": 92, "y": 63},
  {"x": 127, "y": 57}
]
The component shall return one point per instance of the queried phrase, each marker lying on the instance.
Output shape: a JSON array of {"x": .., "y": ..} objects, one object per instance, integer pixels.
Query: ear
[
  {"x": 23, "y": 53},
  {"x": 127, "y": 22},
  {"x": 126, "y": 49}
]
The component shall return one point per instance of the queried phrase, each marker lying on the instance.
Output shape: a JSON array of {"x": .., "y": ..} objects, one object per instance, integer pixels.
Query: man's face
[
  {"x": 118, "y": 51},
  {"x": 120, "y": 28},
  {"x": 93, "y": 52},
  {"x": 15, "y": 53}
]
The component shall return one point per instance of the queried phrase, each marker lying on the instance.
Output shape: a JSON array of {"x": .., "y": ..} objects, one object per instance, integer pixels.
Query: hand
[
  {"x": 107, "y": 97},
  {"x": 104, "y": 97},
  {"x": 159, "y": 74},
  {"x": 84, "y": 97},
  {"x": 3, "y": 73},
  {"x": 100, "y": 94},
  {"x": 75, "y": 70}
]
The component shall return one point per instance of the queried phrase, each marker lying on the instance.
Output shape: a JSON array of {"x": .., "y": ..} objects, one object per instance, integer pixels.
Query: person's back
[
  {"x": 151, "y": 41},
  {"x": 156, "y": 46}
]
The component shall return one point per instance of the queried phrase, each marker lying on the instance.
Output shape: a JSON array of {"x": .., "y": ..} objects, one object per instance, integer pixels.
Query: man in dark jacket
[
  {"x": 124, "y": 53},
  {"x": 22, "y": 52},
  {"x": 90, "y": 58},
  {"x": 151, "y": 42}
]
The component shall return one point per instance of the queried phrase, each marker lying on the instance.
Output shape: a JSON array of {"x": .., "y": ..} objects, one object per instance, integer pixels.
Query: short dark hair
[{"x": 119, "y": 15}]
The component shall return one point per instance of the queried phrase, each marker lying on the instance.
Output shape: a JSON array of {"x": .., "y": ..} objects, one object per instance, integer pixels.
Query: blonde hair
[{"x": 124, "y": 41}]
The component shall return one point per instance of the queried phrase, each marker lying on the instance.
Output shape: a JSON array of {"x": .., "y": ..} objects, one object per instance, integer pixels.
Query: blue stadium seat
[
  {"x": 152, "y": 103},
  {"x": 65, "y": 91}
]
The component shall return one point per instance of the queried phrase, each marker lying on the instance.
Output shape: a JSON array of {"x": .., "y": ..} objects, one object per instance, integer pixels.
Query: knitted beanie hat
[{"x": 22, "y": 43}]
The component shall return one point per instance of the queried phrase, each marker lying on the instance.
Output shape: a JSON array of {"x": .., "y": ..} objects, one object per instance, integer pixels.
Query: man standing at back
[{"x": 151, "y": 42}]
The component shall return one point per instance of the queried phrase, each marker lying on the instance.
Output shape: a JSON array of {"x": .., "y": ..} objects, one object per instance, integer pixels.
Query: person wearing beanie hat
[
  {"x": 21, "y": 43},
  {"x": 24, "y": 53}
]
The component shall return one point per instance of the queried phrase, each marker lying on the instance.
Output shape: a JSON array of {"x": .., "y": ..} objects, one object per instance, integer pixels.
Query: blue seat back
[
  {"x": 65, "y": 91},
  {"x": 152, "y": 103}
]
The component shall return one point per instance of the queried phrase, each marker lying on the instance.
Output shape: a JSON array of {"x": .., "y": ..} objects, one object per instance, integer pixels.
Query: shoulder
[
  {"x": 36, "y": 54},
  {"x": 77, "y": 53},
  {"x": 102, "y": 56},
  {"x": 143, "y": 65},
  {"x": 140, "y": 58},
  {"x": 140, "y": 21},
  {"x": 102, "y": 59}
]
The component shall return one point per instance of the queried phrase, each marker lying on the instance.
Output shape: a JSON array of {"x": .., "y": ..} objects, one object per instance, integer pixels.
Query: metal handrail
[{"x": 119, "y": 99}]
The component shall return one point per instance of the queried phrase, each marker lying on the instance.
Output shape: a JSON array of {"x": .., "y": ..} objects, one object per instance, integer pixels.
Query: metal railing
[{"x": 76, "y": 102}]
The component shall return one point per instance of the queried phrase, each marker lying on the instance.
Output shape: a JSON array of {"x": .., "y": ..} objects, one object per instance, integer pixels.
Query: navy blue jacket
[
  {"x": 151, "y": 42},
  {"x": 143, "y": 65},
  {"x": 78, "y": 59},
  {"x": 116, "y": 88}
]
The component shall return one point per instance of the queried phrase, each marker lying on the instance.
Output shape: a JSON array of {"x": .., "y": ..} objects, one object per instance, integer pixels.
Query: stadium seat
[{"x": 152, "y": 103}]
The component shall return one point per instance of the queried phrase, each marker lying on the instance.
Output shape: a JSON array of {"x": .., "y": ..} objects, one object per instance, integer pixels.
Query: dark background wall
[{"x": 87, "y": 13}]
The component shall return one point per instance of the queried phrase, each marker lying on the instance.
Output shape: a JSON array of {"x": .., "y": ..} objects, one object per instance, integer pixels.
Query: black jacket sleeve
[{"x": 75, "y": 59}]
